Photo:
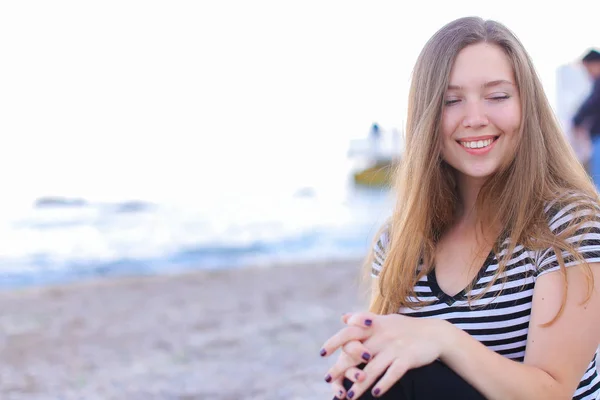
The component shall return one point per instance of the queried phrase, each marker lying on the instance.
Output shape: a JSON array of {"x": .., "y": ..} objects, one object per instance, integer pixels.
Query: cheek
[
  {"x": 449, "y": 123},
  {"x": 507, "y": 119}
]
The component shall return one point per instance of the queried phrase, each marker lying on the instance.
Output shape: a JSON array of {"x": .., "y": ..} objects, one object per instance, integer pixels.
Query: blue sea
[{"x": 225, "y": 220}]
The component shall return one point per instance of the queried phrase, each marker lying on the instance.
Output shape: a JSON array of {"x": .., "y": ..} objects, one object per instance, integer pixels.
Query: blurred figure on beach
[
  {"x": 375, "y": 138},
  {"x": 586, "y": 121}
]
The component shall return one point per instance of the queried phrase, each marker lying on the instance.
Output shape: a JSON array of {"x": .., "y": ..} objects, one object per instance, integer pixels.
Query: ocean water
[
  {"x": 121, "y": 204},
  {"x": 222, "y": 220}
]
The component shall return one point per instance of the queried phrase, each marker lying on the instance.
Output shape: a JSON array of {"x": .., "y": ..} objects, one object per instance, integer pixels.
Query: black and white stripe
[{"x": 500, "y": 320}]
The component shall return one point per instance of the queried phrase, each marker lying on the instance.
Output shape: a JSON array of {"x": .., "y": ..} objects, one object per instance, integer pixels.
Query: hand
[
  {"x": 581, "y": 136},
  {"x": 395, "y": 342},
  {"x": 578, "y": 131},
  {"x": 354, "y": 353},
  {"x": 582, "y": 144}
]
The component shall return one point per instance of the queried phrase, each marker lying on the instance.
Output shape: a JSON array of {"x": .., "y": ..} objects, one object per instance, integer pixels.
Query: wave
[
  {"x": 59, "y": 202},
  {"x": 63, "y": 239}
]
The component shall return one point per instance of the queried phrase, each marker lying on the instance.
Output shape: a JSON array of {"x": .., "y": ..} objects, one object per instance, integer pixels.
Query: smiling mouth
[{"x": 478, "y": 144}]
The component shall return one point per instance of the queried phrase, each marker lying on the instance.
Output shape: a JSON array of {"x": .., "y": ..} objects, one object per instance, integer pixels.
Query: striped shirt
[{"x": 500, "y": 320}]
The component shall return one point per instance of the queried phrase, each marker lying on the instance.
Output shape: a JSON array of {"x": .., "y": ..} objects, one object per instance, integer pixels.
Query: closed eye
[
  {"x": 499, "y": 98},
  {"x": 451, "y": 102}
]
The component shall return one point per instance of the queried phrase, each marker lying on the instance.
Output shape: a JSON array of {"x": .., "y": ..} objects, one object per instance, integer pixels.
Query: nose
[{"x": 475, "y": 116}]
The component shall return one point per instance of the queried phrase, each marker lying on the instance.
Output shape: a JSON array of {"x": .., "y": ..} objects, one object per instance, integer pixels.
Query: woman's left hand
[{"x": 395, "y": 342}]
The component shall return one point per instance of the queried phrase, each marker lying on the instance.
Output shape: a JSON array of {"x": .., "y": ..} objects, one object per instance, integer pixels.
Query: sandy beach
[{"x": 251, "y": 333}]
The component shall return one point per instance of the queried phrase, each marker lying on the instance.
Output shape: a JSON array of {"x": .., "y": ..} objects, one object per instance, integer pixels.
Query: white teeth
[{"x": 479, "y": 144}]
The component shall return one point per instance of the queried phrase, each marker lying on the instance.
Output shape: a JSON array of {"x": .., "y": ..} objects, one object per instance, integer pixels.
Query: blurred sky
[{"x": 101, "y": 98}]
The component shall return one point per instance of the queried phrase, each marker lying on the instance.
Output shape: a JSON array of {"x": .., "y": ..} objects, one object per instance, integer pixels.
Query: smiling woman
[
  {"x": 482, "y": 111},
  {"x": 493, "y": 252}
]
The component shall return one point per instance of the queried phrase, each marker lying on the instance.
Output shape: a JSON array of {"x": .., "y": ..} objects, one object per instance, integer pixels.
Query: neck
[
  {"x": 467, "y": 221},
  {"x": 468, "y": 190}
]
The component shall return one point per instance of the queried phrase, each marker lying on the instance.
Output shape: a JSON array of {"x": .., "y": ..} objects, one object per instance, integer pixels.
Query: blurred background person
[{"x": 586, "y": 121}]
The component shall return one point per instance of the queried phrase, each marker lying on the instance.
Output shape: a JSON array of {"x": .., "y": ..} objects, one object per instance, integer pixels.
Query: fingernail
[
  {"x": 376, "y": 392},
  {"x": 341, "y": 393},
  {"x": 357, "y": 375},
  {"x": 368, "y": 322},
  {"x": 366, "y": 356},
  {"x": 350, "y": 394},
  {"x": 323, "y": 352},
  {"x": 327, "y": 378}
]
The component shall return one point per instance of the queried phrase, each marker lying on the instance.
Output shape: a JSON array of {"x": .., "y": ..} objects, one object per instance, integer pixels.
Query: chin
[
  {"x": 478, "y": 173},
  {"x": 480, "y": 176}
]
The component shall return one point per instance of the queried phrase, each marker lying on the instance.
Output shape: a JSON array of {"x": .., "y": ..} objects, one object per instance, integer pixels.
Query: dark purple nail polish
[
  {"x": 323, "y": 352},
  {"x": 327, "y": 378},
  {"x": 341, "y": 393},
  {"x": 376, "y": 392},
  {"x": 366, "y": 356},
  {"x": 357, "y": 375},
  {"x": 368, "y": 322},
  {"x": 350, "y": 394}
]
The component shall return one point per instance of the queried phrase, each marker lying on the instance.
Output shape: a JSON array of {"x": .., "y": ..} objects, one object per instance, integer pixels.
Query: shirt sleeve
[
  {"x": 380, "y": 249},
  {"x": 590, "y": 106},
  {"x": 585, "y": 240}
]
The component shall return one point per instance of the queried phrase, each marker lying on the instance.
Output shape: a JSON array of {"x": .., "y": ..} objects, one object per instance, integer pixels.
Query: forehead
[{"x": 480, "y": 63}]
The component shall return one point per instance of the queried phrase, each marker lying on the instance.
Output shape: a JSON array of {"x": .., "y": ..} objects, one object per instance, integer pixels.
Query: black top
[{"x": 589, "y": 112}]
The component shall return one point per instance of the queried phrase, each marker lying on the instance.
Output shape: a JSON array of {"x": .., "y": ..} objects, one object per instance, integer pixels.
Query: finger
[
  {"x": 338, "y": 388},
  {"x": 337, "y": 370},
  {"x": 363, "y": 319},
  {"x": 393, "y": 374},
  {"x": 372, "y": 372},
  {"x": 357, "y": 350},
  {"x": 345, "y": 317},
  {"x": 343, "y": 336},
  {"x": 355, "y": 375}
]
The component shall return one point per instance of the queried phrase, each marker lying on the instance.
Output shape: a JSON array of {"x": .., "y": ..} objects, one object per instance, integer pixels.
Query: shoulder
[
  {"x": 572, "y": 208},
  {"x": 574, "y": 221}
]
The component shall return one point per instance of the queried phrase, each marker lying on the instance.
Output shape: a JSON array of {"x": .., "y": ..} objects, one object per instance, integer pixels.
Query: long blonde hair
[{"x": 544, "y": 167}]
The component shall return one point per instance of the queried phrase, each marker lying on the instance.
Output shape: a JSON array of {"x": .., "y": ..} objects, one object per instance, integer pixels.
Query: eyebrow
[{"x": 485, "y": 85}]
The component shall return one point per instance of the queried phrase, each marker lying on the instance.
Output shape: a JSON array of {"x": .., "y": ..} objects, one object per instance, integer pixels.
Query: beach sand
[{"x": 252, "y": 333}]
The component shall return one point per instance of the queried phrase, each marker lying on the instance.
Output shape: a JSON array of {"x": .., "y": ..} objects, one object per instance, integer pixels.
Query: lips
[
  {"x": 478, "y": 146},
  {"x": 477, "y": 143}
]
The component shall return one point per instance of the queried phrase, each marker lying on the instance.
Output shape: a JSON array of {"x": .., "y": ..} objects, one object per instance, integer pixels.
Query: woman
[{"x": 484, "y": 278}]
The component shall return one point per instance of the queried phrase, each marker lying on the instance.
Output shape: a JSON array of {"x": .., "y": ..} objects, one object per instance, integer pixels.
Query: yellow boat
[
  {"x": 377, "y": 155},
  {"x": 378, "y": 175}
]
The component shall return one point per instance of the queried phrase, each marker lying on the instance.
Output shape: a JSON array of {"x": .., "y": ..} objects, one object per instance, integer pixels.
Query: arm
[
  {"x": 590, "y": 106},
  {"x": 556, "y": 357}
]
